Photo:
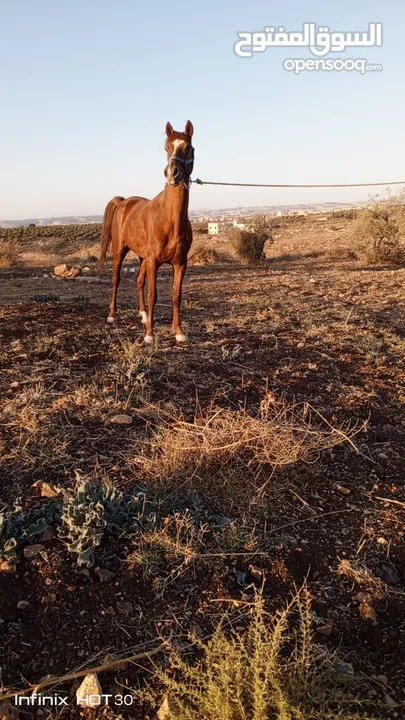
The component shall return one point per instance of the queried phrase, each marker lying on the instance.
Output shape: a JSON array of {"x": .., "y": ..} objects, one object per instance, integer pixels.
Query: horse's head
[{"x": 180, "y": 155}]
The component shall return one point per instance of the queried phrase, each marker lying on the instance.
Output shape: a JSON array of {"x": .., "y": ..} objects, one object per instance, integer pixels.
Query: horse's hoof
[
  {"x": 144, "y": 316},
  {"x": 181, "y": 338},
  {"x": 111, "y": 319},
  {"x": 149, "y": 339}
]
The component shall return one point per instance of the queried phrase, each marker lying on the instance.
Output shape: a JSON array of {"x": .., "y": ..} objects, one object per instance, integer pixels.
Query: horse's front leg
[
  {"x": 140, "y": 281},
  {"x": 151, "y": 269},
  {"x": 179, "y": 270}
]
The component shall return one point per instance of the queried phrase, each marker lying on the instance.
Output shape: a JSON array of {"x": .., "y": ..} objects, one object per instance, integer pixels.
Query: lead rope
[{"x": 346, "y": 185}]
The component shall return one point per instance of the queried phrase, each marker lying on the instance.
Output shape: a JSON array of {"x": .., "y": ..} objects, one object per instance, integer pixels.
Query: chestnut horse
[{"x": 157, "y": 230}]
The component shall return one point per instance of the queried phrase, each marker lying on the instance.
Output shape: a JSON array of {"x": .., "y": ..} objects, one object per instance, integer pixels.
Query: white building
[{"x": 213, "y": 228}]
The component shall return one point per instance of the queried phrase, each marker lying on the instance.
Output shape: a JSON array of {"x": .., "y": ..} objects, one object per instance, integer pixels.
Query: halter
[{"x": 184, "y": 162}]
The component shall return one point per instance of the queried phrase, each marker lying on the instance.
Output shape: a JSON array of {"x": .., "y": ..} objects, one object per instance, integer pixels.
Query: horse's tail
[{"x": 106, "y": 236}]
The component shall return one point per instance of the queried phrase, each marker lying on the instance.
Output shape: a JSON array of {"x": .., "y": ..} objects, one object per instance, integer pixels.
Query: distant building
[
  {"x": 213, "y": 228},
  {"x": 237, "y": 224}
]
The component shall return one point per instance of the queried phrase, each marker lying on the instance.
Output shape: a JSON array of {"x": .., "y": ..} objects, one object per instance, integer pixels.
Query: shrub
[
  {"x": 8, "y": 253},
  {"x": 379, "y": 231},
  {"x": 348, "y": 214},
  {"x": 271, "y": 670},
  {"x": 249, "y": 241}
]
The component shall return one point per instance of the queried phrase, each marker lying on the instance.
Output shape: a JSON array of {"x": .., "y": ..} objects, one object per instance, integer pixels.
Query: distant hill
[{"x": 201, "y": 213}]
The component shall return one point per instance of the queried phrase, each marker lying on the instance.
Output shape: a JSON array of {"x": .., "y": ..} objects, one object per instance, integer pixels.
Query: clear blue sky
[{"x": 87, "y": 87}]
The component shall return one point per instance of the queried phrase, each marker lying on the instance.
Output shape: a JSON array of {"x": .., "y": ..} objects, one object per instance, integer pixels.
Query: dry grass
[
  {"x": 203, "y": 255},
  {"x": 271, "y": 670},
  {"x": 278, "y": 436},
  {"x": 8, "y": 253}
]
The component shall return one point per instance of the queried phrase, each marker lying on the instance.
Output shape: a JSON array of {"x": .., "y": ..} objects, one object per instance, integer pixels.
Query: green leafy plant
[
  {"x": 20, "y": 527},
  {"x": 91, "y": 510},
  {"x": 51, "y": 297}
]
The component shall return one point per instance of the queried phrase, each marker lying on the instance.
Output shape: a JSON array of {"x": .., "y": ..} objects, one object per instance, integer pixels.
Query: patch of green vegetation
[{"x": 49, "y": 298}]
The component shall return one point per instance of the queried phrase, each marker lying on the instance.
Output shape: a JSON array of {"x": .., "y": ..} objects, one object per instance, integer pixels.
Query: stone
[
  {"x": 8, "y": 711},
  {"x": 48, "y": 490},
  {"x": 32, "y": 551},
  {"x": 344, "y": 669},
  {"x": 125, "y": 608},
  {"x": 325, "y": 630},
  {"x": 388, "y": 574},
  {"x": 48, "y": 534},
  {"x": 103, "y": 574},
  {"x": 89, "y": 691},
  {"x": 7, "y": 567},
  {"x": 390, "y": 702},
  {"x": 23, "y": 605},
  {"x": 367, "y": 612},
  {"x": 66, "y": 271},
  {"x": 168, "y": 708},
  {"x": 121, "y": 420},
  {"x": 60, "y": 270},
  {"x": 342, "y": 490},
  {"x": 382, "y": 680}
]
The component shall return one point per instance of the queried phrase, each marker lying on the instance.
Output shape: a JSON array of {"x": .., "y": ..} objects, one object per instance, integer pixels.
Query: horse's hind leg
[
  {"x": 117, "y": 262},
  {"x": 140, "y": 281}
]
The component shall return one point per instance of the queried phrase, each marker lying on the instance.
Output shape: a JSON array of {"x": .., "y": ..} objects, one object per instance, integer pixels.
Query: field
[{"x": 270, "y": 451}]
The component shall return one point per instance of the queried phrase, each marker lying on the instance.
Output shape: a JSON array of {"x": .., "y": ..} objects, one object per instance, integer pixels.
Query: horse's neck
[{"x": 176, "y": 205}]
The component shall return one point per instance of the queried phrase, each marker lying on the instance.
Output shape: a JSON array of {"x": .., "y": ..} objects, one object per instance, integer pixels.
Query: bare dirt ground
[{"x": 325, "y": 337}]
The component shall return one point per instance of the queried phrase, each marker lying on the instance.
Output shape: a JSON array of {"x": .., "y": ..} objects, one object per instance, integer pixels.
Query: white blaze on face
[{"x": 179, "y": 144}]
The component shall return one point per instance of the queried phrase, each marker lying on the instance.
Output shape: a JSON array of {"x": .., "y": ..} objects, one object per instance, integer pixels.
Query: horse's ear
[
  {"x": 189, "y": 128},
  {"x": 169, "y": 129}
]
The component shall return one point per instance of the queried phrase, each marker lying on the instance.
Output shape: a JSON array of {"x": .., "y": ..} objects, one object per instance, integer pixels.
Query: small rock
[
  {"x": 66, "y": 271},
  {"x": 390, "y": 702},
  {"x": 125, "y": 608},
  {"x": 256, "y": 573},
  {"x": 382, "y": 680},
  {"x": 168, "y": 709},
  {"x": 89, "y": 692},
  {"x": 389, "y": 574},
  {"x": 8, "y": 711},
  {"x": 367, "y": 612},
  {"x": 325, "y": 630},
  {"x": 344, "y": 669},
  {"x": 32, "y": 551},
  {"x": 86, "y": 269},
  {"x": 104, "y": 575},
  {"x": 300, "y": 345},
  {"x": 381, "y": 541},
  {"x": 48, "y": 599},
  {"x": 114, "y": 659},
  {"x": 48, "y": 490},
  {"x": 23, "y": 605},
  {"x": 14, "y": 384},
  {"x": 60, "y": 270},
  {"x": 316, "y": 575},
  {"x": 7, "y": 567},
  {"x": 343, "y": 490},
  {"x": 84, "y": 571},
  {"x": 121, "y": 420},
  {"x": 48, "y": 534},
  {"x": 109, "y": 611}
]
